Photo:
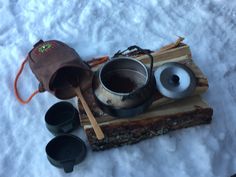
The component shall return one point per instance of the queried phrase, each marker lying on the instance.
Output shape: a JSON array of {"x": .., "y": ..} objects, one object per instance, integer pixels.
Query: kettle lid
[{"x": 175, "y": 80}]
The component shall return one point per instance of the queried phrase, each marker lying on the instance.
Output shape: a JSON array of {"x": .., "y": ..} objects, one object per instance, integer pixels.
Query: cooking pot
[{"x": 124, "y": 87}]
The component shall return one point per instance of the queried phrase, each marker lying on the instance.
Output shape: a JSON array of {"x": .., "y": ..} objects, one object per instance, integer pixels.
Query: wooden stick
[
  {"x": 172, "y": 45},
  {"x": 97, "y": 129},
  {"x": 97, "y": 61}
]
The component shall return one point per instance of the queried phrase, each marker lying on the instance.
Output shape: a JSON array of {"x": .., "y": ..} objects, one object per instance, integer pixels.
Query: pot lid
[{"x": 175, "y": 80}]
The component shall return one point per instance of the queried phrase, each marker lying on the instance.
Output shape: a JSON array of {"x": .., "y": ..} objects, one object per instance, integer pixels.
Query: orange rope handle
[{"x": 15, "y": 85}]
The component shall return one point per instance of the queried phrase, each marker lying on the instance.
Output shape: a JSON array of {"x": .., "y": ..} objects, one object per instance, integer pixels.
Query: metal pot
[{"x": 124, "y": 87}]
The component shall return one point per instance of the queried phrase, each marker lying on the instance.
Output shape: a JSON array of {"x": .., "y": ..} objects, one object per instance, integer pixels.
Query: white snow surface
[{"x": 96, "y": 28}]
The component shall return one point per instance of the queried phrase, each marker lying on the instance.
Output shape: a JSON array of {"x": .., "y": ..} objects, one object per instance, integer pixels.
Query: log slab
[{"x": 186, "y": 113}]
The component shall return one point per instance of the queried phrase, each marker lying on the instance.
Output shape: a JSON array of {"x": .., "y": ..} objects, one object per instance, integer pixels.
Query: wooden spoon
[{"x": 97, "y": 129}]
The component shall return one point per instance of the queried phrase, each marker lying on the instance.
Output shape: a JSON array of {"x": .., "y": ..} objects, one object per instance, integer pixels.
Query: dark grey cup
[
  {"x": 65, "y": 151},
  {"x": 62, "y": 118}
]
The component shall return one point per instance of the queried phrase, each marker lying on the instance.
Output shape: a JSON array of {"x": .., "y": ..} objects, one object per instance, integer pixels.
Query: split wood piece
[
  {"x": 97, "y": 61},
  {"x": 172, "y": 45},
  {"x": 202, "y": 86},
  {"x": 159, "y": 120},
  {"x": 95, "y": 126},
  {"x": 179, "y": 53}
]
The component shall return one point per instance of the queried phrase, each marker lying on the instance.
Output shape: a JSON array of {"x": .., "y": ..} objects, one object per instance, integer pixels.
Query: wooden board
[
  {"x": 163, "y": 116},
  {"x": 157, "y": 121}
]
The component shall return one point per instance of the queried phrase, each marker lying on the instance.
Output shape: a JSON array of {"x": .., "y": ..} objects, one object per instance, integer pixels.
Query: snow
[{"x": 101, "y": 27}]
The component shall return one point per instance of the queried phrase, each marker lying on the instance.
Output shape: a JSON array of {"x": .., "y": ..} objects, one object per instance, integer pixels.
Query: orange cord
[{"x": 15, "y": 85}]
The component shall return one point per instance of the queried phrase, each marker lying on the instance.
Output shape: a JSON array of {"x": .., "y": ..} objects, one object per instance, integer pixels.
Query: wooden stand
[{"x": 163, "y": 116}]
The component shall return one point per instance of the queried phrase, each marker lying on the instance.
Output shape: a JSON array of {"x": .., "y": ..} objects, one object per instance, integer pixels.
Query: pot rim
[{"x": 122, "y": 58}]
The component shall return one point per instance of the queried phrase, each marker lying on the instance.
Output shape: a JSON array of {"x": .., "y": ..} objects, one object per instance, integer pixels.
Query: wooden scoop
[{"x": 96, "y": 127}]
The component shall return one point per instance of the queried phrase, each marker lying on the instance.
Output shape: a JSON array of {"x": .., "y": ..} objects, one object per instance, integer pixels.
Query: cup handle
[
  {"x": 67, "y": 128},
  {"x": 68, "y": 166}
]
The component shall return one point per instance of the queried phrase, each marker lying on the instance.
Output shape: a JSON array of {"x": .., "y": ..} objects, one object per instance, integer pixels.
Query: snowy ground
[{"x": 101, "y": 27}]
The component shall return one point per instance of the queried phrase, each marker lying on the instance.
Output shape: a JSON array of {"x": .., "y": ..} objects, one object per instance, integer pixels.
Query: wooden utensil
[{"x": 97, "y": 129}]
